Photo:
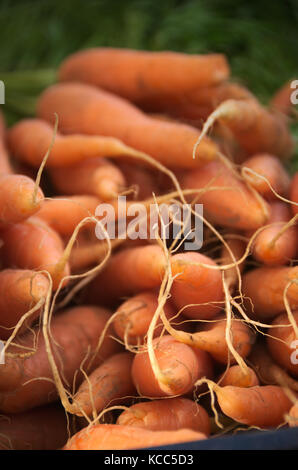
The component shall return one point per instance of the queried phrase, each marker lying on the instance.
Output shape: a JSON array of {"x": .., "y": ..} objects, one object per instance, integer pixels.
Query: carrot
[
  {"x": 43, "y": 428},
  {"x": 269, "y": 168},
  {"x": 167, "y": 415},
  {"x": 128, "y": 272},
  {"x": 211, "y": 337},
  {"x": 283, "y": 343},
  {"x": 64, "y": 213},
  {"x": 275, "y": 246},
  {"x": 294, "y": 193},
  {"x": 263, "y": 406},
  {"x": 268, "y": 371},
  {"x": 293, "y": 415},
  {"x": 116, "y": 437},
  {"x": 34, "y": 245},
  {"x": 139, "y": 75},
  {"x": 20, "y": 291},
  {"x": 18, "y": 200},
  {"x": 179, "y": 364},
  {"x": 87, "y": 110},
  {"x": 66, "y": 150},
  {"x": 96, "y": 176},
  {"x": 196, "y": 285},
  {"x": 232, "y": 204},
  {"x": 256, "y": 129},
  {"x": 264, "y": 288},
  {"x": 107, "y": 385},
  {"x": 281, "y": 100},
  {"x": 133, "y": 317},
  {"x": 235, "y": 376},
  {"x": 27, "y": 382},
  {"x": 196, "y": 105}
]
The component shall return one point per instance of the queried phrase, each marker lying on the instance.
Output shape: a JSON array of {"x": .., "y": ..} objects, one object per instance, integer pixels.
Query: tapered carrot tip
[
  {"x": 18, "y": 200},
  {"x": 293, "y": 416},
  {"x": 116, "y": 437}
]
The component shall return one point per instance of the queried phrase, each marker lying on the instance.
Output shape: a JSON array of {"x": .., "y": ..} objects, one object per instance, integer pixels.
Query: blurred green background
[{"x": 260, "y": 38}]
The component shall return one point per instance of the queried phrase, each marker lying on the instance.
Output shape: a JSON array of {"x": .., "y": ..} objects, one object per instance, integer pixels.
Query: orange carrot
[
  {"x": 275, "y": 246},
  {"x": 269, "y": 167},
  {"x": 107, "y": 385},
  {"x": 196, "y": 105},
  {"x": 263, "y": 406},
  {"x": 116, "y": 437},
  {"x": 167, "y": 415},
  {"x": 66, "y": 150},
  {"x": 20, "y": 291},
  {"x": 293, "y": 415},
  {"x": 95, "y": 176},
  {"x": 232, "y": 204},
  {"x": 18, "y": 200},
  {"x": 211, "y": 337},
  {"x": 134, "y": 317},
  {"x": 236, "y": 377},
  {"x": 43, "y": 428},
  {"x": 283, "y": 343},
  {"x": 137, "y": 75},
  {"x": 34, "y": 245},
  {"x": 63, "y": 214},
  {"x": 196, "y": 285},
  {"x": 180, "y": 365},
  {"x": 268, "y": 371},
  {"x": 294, "y": 193},
  {"x": 264, "y": 289},
  {"x": 87, "y": 110},
  {"x": 27, "y": 382},
  {"x": 256, "y": 129},
  {"x": 128, "y": 272}
]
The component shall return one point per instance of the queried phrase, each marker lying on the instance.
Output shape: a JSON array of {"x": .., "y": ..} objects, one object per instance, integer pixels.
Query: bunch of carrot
[{"x": 140, "y": 341}]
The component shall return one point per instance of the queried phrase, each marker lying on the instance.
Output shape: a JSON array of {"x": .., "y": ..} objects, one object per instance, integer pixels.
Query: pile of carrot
[{"x": 121, "y": 341}]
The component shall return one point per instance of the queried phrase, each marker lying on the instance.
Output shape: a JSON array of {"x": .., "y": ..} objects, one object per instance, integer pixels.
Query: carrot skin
[
  {"x": 87, "y": 110},
  {"x": 196, "y": 285},
  {"x": 116, "y": 437},
  {"x": 34, "y": 232},
  {"x": 76, "y": 331},
  {"x": 232, "y": 204},
  {"x": 294, "y": 193},
  {"x": 43, "y": 428},
  {"x": 17, "y": 198},
  {"x": 273, "y": 251},
  {"x": 262, "y": 406},
  {"x": 281, "y": 343},
  {"x": 181, "y": 364},
  {"x": 20, "y": 290},
  {"x": 167, "y": 415},
  {"x": 108, "y": 385},
  {"x": 264, "y": 287},
  {"x": 143, "y": 75}
]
